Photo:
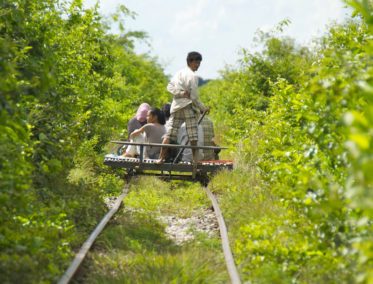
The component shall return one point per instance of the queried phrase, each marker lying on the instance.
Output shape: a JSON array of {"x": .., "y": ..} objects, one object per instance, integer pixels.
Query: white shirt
[{"x": 184, "y": 80}]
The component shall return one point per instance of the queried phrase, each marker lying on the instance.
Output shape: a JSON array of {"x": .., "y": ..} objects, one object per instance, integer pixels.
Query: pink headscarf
[{"x": 142, "y": 111}]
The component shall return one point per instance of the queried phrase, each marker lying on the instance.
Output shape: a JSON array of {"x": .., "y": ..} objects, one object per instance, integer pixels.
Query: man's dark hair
[{"x": 194, "y": 56}]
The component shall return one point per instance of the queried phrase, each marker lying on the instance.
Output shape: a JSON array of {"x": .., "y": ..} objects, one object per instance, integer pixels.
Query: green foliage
[
  {"x": 246, "y": 92},
  {"x": 305, "y": 202},
  {"x": 359, "y": 185},
  {"x": 273, "y": 242},
  {"x": 299, "y": 205},
  {"x": 67, "y": 87}
]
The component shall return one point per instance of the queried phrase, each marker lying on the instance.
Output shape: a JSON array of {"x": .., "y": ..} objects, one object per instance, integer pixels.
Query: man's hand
[
  {"x": 206, "y": 110},
  {"x": 186, "y": 94}
]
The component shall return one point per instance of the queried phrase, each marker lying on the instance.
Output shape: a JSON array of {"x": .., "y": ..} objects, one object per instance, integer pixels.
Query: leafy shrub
[
  {"x": 68, "y": 87},
  {"x": 293, "y": 219}
]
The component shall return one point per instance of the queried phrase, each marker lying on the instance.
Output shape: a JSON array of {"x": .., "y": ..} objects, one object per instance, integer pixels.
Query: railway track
[
  {"x": 79, "y": 258},
  {"x": 70, "y": 272}
]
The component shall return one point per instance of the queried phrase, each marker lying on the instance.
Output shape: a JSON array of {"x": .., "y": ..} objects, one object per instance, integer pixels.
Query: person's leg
[
  {"x": 133, "y": 150},
  {"x": 176, "y": 119},
  {"x": 192, "y": 129},
  {"x": 194, "y": 151},
  {"x": 164, "y": 150}
]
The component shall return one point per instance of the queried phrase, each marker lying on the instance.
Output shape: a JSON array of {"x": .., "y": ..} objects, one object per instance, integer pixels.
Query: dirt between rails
[{"x": 183, "y": 230}]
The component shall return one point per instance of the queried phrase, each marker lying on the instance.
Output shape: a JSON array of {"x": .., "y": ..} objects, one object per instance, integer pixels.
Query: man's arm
[
  {"x": 177, "y": 92},
  {"x": 194, "y": 94}
]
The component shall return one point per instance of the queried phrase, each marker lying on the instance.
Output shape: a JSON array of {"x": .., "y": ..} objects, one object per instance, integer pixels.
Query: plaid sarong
[
  {"x": 189, "y": 116},
  {"x": 208, "y": 135}
]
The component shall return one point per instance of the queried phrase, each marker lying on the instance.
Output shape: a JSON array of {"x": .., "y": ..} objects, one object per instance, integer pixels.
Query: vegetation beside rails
[
  {"x": 299, "y": 119},
  {"x": 67, "y": 87}
]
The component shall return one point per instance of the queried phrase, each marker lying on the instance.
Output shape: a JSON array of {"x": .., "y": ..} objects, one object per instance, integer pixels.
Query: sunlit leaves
[
  {"x": 67, "y": 88},
  {"x": 311, "y": 146}
]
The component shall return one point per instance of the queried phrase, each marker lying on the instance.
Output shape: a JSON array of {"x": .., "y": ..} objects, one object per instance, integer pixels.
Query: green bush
[
  {"x": 299, "y": 204},
  {"x": 302, "y": 212},
  {"x": 67, "y": 88}
]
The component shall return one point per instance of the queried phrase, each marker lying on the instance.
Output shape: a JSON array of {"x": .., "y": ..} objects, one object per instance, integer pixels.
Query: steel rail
[
  {"x": 66, "y": 278},
  {"x": 231, "y": 267}
]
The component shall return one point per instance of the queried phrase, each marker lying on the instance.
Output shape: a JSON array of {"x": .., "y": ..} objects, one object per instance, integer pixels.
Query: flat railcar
[{"x": 200, "y": 171}]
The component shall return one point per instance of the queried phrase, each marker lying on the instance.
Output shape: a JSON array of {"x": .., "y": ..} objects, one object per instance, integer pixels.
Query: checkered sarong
[
  {"x": 208, "y": 136},
  {"x": 189, "y": 116}
]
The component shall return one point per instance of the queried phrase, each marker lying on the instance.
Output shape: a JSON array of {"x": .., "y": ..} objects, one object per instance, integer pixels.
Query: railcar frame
[{"x": 181, "y": 170}]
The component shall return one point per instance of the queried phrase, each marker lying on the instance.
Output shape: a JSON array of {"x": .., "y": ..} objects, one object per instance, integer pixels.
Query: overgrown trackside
[
  {"x": 302, "y": 120},
  {"x": 298, "y": 206},
  {"x": 67, "y": 87}
]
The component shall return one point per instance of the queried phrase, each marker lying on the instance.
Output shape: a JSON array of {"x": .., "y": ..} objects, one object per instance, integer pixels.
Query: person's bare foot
[{"x": 160, "y": 161}]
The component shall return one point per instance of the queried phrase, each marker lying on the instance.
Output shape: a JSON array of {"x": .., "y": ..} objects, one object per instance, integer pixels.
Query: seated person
[
  {"x": 151, "y": 132},
  {"x": 166, "y": 110},
  {"x": 208, "y": 139},
  {"x": 139, "y": 119},
  {"x": 134, "y": 123},
  {"x": 205, "y": 138}
]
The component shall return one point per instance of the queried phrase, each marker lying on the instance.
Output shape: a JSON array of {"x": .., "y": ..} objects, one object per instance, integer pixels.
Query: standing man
[{"x": 186, "y": 106}]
